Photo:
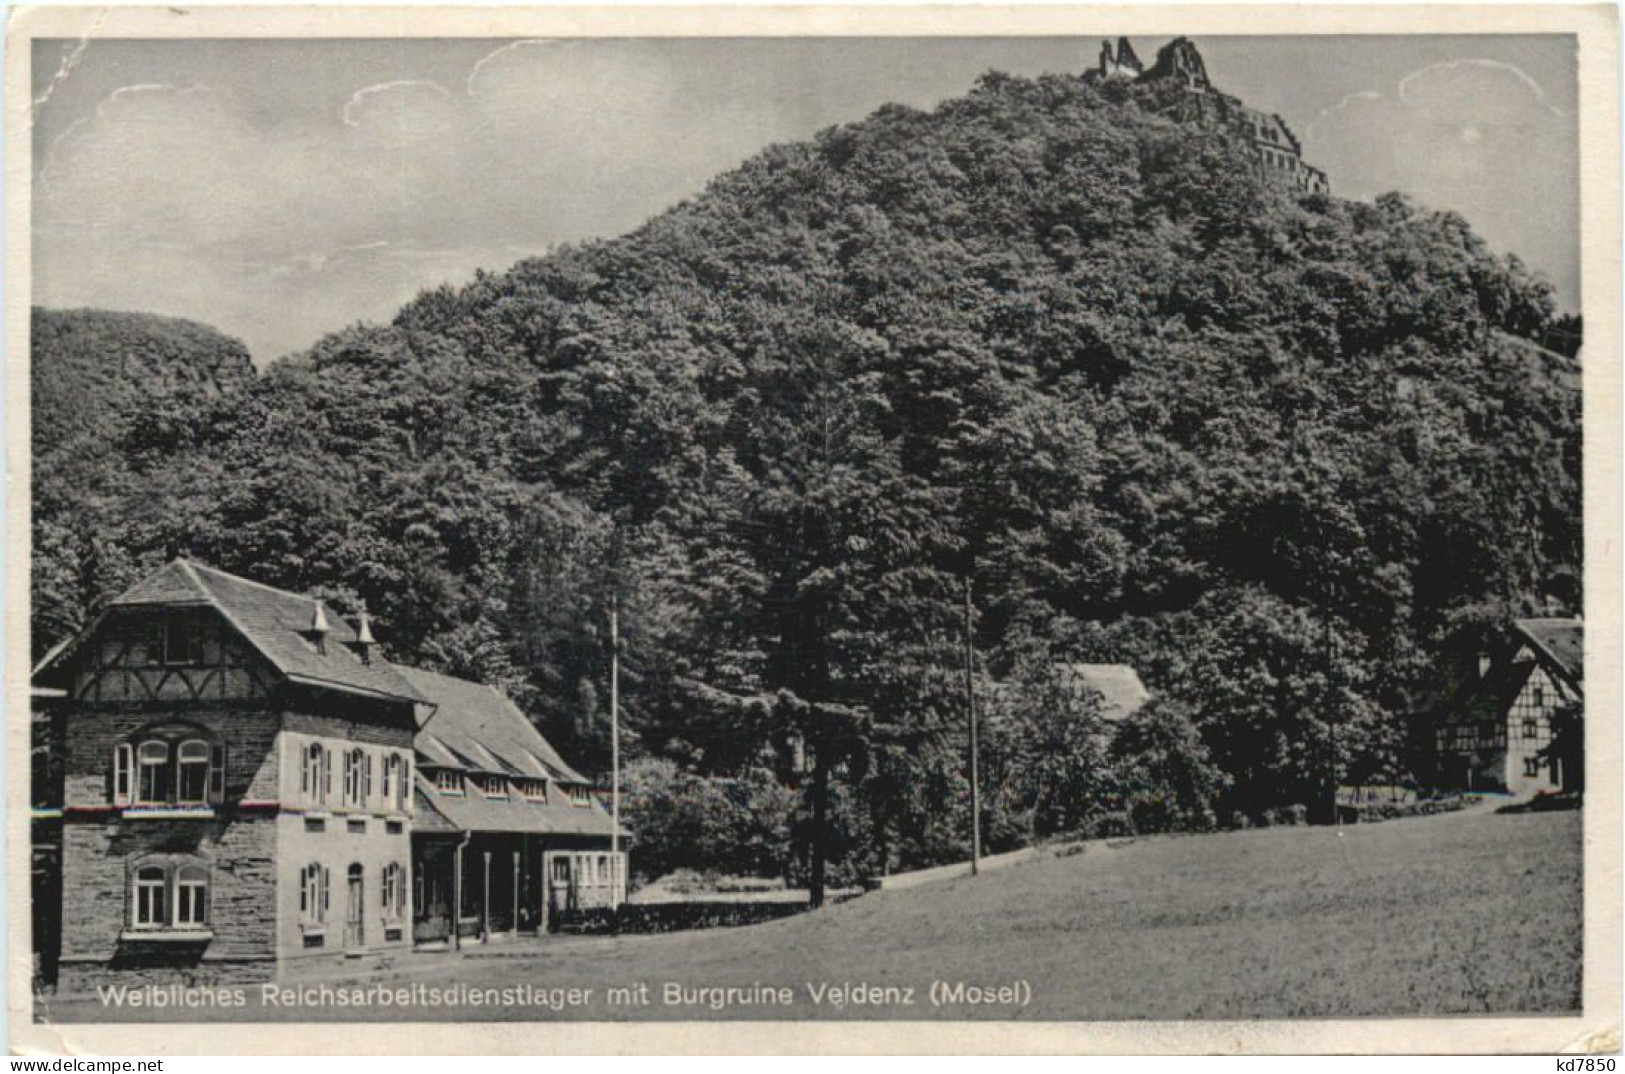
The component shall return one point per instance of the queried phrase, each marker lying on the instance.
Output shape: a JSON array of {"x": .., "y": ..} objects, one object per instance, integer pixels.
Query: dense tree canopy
[{"x": 1276, "y": 451}]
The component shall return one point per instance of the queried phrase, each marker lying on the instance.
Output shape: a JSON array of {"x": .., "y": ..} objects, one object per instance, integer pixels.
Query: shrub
[
  {"x": 736, "y": 826},
  {"x": 1370, "y": 812},
  {"x": 1114, "y": 825}
]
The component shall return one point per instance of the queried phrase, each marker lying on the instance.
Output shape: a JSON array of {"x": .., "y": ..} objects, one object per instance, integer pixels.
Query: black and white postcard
[{"x": 1096, "y": 525}]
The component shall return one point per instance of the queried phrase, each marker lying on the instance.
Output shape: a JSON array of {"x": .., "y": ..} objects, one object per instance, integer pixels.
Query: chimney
[
  {"x": 318, "y": 628},
  {"x": 363, "y": 638}
]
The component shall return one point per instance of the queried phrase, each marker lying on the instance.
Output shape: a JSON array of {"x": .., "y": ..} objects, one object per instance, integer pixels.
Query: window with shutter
[
  {"x": 123, "y": 766},
  {"x": 217, "y": 773}
]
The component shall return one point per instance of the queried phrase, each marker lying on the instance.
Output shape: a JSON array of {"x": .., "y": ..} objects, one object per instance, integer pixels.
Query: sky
[{"x": 280, "y": 189}]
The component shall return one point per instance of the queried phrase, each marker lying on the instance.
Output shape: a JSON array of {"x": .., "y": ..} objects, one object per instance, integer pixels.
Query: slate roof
[
  {"x": 274, "y": 622},
  {"x": 425, "y": 817},
  {"x": 1121, "y": 692},
  {"x": 1490, "y": 697},
  {"x": 472, "y": 811},
  {"x": 477, "y": 728},
  {"x": 1560, "y": 643}
]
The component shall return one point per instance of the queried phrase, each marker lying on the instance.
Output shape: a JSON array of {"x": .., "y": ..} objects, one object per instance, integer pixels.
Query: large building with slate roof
[
  {"x": 244, "y": 787},
  {"x": 1497, "y": 733}
]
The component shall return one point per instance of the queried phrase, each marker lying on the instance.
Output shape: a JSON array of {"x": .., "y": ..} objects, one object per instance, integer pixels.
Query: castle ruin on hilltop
[{"x": 1275, "y": 147}]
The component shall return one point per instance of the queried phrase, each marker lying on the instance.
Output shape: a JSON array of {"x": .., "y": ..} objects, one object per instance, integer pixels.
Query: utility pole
[
  {"x": 616, "y": 871},
  {"x": 970, "y": 707}
]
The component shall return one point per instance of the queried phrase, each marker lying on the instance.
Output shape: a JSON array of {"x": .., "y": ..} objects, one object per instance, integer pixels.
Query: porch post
[
  {"x": 457, "y": 897},
  {"x": 485, "y": 902}
]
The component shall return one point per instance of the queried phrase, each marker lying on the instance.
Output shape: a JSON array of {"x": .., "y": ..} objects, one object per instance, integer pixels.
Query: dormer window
[
  {"x": 533, "y": 790},
  {"x": 448, "y": 781},
  {"x": 492, "y": 786},
  {"x": 580, "y": 794}
]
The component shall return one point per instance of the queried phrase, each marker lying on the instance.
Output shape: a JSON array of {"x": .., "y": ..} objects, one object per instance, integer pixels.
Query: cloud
[
  {"x": 1348, "y": 99},
  {"x": 375, "y": 98},
  {"x": 1471, "y": 135},
  {"x": 1449, "y": 66},
  {"x": 471, "y": 86}
]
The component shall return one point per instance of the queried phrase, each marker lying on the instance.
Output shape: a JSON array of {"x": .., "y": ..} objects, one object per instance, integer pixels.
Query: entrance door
[
  {"x": 432, "y": 906},
  {"x": 560, "y": 891},
  {"x": 354, "y": 911}
]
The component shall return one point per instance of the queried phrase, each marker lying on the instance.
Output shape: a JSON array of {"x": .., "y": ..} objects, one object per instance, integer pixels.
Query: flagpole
[
  {"x": 617, "y": 878},
  {"x": 970, "y": 706}
]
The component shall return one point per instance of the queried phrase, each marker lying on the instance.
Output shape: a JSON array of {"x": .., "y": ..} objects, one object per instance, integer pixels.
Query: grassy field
[{"x": 1450, "y": 914}]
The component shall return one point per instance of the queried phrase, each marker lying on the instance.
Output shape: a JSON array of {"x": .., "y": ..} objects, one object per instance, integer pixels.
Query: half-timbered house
[
  {"x": 1499, "y": 727},
  {"x": 240, "y": 777}
]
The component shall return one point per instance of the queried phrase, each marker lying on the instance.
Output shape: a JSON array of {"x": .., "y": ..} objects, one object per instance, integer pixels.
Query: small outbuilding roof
[{"x": 1121, "y": 692}]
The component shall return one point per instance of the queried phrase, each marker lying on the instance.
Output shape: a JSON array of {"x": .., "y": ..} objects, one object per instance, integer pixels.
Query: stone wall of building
[
  {"x": 90, "y": 735},
  {"x": 99, "y": 856}
]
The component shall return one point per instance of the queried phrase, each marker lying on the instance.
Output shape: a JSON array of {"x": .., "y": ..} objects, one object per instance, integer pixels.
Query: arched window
[
  {"x": 313, "y": 894},
  {"x": 191, "y": 895},
  {"x": 397, "y": 788},
  {"x": 313, "y": 774},
  {"x": 152, "y": 772},
  {"x": 355, "y": 917},
  {"x": 150, "y": 888},
  {"x": 192, "y": 772},
  {"x": 394, "y": 892},
  {"x": 354, "y": 777}
]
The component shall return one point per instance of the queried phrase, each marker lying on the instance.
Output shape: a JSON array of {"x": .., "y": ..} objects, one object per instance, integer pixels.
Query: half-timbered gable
[
  {"x": 182, "y": 655},
  {"x": 1499, "y": 728}
]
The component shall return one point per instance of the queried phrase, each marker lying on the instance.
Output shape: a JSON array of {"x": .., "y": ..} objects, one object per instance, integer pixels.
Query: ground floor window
[
  {"x": 394, "y": 889},
  {"x": 313, "y": 895},
  {"x": 165, "y": 895},
  {"x": 191, "y": 895},
  {"x": 150, "y": 885},
  {"x": 1531, "y": 766}
]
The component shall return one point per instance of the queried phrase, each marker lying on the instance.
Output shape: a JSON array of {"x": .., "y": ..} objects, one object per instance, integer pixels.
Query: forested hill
[
  {"x": 115, "y": 398},
  {"x": 1273, "y": 450}
]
